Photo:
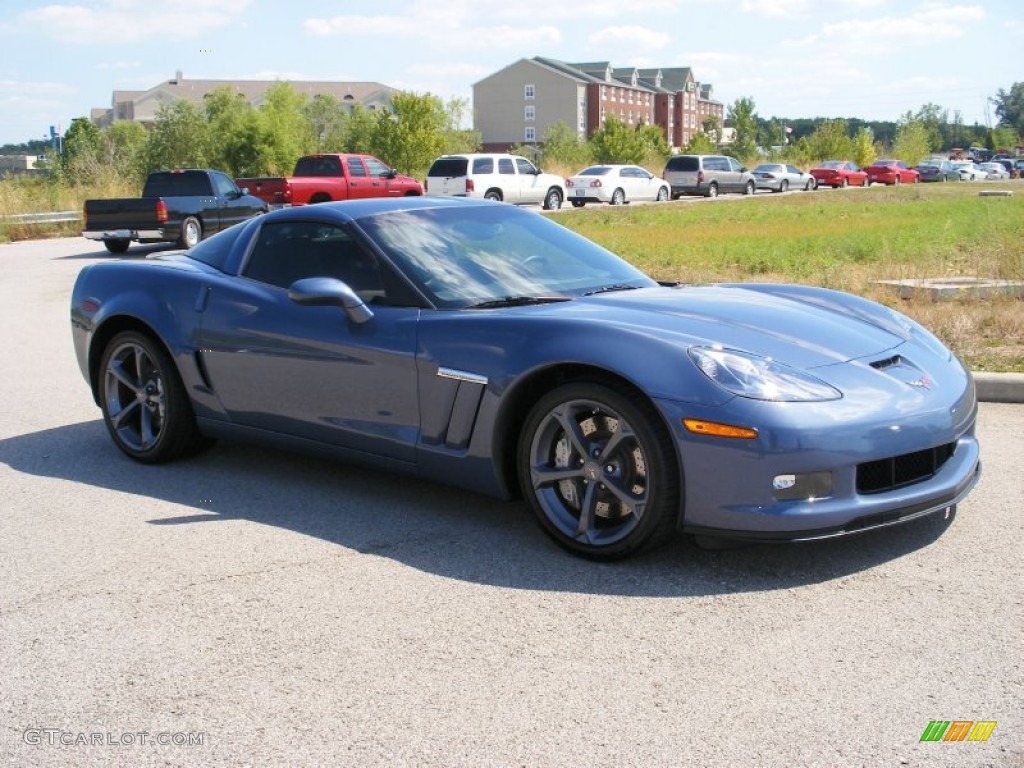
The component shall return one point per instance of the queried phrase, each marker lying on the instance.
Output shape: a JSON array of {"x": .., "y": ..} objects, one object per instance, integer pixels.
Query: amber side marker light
[{"x": 700, "y": 427}]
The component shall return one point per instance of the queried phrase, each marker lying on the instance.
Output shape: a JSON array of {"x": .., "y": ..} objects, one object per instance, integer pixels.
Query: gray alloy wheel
[
  {"x": 191, "y": 232},
  {"x": 662, "y": 195},
  {"x": 618, "y": 197},
  {"x": 493, "y": 194},
  {"x": 598, "y": 470},
  {"x": 749, "y": 189},
  {"x": 896, "y": 182},
  {"x": 846, "y": 181},
  {"x": 810, "y": 186},
  {"x": 553, "y": 200},
  {"x": 145, "y": 406},
  {"x": 784, "y": 185},
  {"x": 713, "y": 189}
]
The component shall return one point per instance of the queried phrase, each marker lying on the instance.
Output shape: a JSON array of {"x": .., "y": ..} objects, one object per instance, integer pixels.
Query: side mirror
[
  {"x": 391, "y": 173},
  {"x": 243, "y": 191},
  {"x": 330, "y": 292}
]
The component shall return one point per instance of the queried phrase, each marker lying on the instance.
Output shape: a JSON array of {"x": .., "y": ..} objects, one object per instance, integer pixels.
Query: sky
[{"x": 873, "y": 59}]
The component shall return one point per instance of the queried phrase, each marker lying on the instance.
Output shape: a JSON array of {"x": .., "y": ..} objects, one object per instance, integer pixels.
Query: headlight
[{"x": 760, "y": 378}]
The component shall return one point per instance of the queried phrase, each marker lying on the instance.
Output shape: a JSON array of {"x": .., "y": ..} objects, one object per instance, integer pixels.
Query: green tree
[
  {"x": 830, "y": 142},
  {"x": 81, "y": 160},
  {"x": 564, "y": 147},
  {"x": 285, "y": 128},
  {"x": 458, "y": 138},
  {"x": 863, "y": 148},
  {"x": 913, "y": 141},
  {"x": 712, "y": 128},
  {"x": 413, "y": 135},
  {"x": 327, "y": 122},
  {"x": 1010, "y": 107},
  {"x": 236, "y": 139},
  {"x": 124, "y": 149},
  {"x": 616, "y": 142},
  {"x": 700, "y": 144},
  {"x": 742, "y": 116},
  {"x": 179, "y": 139},
  {"x": 360, "y": 126}
]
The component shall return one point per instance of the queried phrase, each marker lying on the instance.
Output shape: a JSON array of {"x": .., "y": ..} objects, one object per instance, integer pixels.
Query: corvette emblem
[{"x": 924, "y": 382}]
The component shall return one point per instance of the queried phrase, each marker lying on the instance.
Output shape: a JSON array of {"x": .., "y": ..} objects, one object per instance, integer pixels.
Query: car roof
[{"x": 350, "y": 210}]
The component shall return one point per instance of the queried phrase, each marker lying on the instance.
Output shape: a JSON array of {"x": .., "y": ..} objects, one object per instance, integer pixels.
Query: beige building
[
  {"x": 142, "y": 106},
  {"x": 517, "y": 104}
]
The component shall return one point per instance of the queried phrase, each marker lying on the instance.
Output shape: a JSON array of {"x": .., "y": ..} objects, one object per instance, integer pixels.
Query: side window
[
  {"x": 482, "y": 165},
  {"x": 792, "y": 169},
  {"x": 505, "y": 166},
  {"x": 225, "y": 186},
  {"x": 525, "y": 166},
  {"x": 288, "y": 251},
  {"x": 376, "y": 167},
  {"x": 356, "y": 169}
]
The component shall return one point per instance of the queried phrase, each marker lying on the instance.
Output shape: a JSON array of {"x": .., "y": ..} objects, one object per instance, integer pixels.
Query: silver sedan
[{"x": 779, "y": 177}]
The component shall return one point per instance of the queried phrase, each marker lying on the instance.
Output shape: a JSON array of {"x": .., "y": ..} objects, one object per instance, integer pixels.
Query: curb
[{"x": 999, "y": 387}]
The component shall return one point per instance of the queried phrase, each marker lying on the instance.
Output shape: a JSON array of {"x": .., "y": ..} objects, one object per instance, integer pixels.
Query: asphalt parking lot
[{"x": 257, "y": 608}]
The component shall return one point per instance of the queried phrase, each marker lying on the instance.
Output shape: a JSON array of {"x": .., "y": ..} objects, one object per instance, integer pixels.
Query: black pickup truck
[{"x": 180, "y": 206}]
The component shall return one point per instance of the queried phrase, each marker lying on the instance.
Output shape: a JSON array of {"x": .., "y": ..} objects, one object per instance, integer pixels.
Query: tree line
[{"x": 226, "y": 132}]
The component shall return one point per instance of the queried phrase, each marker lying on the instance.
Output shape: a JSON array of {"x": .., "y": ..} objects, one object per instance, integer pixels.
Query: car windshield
[{"x": 464, "y": 256}]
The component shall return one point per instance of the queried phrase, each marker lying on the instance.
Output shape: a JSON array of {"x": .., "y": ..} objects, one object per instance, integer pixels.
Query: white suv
[{"x": 510, "y": 178}]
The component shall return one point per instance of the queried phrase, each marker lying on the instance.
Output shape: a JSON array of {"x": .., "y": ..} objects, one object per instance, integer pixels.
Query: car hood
[{"x": 802, "y": 327}]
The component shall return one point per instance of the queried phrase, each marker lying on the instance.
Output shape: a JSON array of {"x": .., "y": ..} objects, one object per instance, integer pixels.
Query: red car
[
  {"x": 892, "y": 172},
  {"x": 839, "y": 173}
]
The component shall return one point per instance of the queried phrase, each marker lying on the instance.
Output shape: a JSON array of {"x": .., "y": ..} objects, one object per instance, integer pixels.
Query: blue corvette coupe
[{"x": 489, "y": 347}]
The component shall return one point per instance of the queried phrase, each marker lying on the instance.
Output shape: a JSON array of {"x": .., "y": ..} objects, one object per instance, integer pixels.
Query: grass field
[
  {"x": 844, "y": 239},
  {"x": 848, "y": 240}
]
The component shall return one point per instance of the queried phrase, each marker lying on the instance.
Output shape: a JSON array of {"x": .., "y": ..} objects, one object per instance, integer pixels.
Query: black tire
[
  {"x": 713, "y": 189},
  {"x": 618, "y": 197},
  {"x": 191, "y": 232},
  {"x": 493, "y": 194},
  {"x": 598, "y": 468},
  {"x": 578, "y": 203},
  {"x": 117, "y": 246},
  {"x": 662, "y": 195},
  {"x": 750, "y": 188},
  {"x": 319, "y": 197},
  {"x": 552, "y": 200},
  {"x": 144, "y": 403},
  {"x": 783, "y": 185}
]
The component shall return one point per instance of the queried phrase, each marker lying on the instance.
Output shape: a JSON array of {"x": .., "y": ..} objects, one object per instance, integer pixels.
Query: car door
[
  {"x": 382, "y": 178},
  {"x": 311, "y": 371},
  {"x": 531, "y": 190},
  {"x": 637, "y": 184},
  {"x": 360, "y": 184},
  {"x": 233, "y": 206}
]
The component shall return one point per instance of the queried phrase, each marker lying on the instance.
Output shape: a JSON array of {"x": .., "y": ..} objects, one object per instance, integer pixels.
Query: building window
[
  {"x": 530, "y": 113},
  {"x": 531, "y": 134},
  {"x": 529, "y": 91}
]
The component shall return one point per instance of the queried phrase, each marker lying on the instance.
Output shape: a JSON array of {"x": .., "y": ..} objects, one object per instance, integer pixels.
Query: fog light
[{"x": 802, "y": 486}]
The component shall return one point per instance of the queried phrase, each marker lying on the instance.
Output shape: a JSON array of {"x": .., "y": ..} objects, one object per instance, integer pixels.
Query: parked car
[
  {"x": 994, "y": 170},
  {"x": 839, "y": 173},
  {"x": 779, "y": 177},
  {"x": 1008, "y": 166},
  {"x": 615, "y": 184},
  {"x": 179, "y": 206},
  {"x": 937, "y": 170},
  {"x": 509, "y": 178},
  {"x": 1019, "y": 167},
  {"x": 327, "y": 177},
  {"x": 707, "y": 175},
  {"x": 491, "y": 348},
  {"x": 891, "y": 172},
  {"x": 969, "y": 171}
]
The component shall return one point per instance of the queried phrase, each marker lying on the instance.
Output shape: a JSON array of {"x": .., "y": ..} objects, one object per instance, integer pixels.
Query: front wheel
[
  {"x": 662, "y": 195},
  {"x": 191, "y": 232},
  {"x": 809, "y": 186},
  {"x": 896, "y": 181},
  {"x": 846, "y": 182},
  {"x": 749, "y": 188},
  {"x": 553, "y": 200},
  {"x": 598, "y": 469},
  {"x": 145, "y": 406}
]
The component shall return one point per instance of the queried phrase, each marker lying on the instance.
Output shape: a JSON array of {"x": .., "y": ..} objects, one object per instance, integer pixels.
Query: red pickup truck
[{"x": 322, "y": 178}]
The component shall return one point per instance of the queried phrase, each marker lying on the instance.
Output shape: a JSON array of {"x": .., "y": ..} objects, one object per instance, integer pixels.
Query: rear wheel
[
  {"x": 783, "y": 185},
  {"x": 618, "y": 197},
  {"x": 145, "y": 407},
  {"x": 117, "y": 246},
  {"x": 493, "y": 194},
  {"x": 598, "y": 469},
  {"x": 713, "y": 189},
  {"x": 191, "y": 232}
]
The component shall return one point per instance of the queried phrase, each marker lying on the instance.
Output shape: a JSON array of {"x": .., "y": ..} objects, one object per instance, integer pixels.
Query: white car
[
  {"x": 615, "y": 184},
  {"x": 779, "y": 177},
  {"x": 494, "y": 176},
  {"x": 969, "y": 171},
  {"x": 995, "y": 170}
]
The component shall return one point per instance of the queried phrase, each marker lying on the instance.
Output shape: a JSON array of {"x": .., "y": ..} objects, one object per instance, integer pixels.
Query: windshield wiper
[
  {"x": 517, "y": 301},
  {"x": 610, "y": 288}
]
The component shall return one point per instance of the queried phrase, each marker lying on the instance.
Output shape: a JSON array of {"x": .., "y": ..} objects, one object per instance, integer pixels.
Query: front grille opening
[{"x": 897, "y": 471}]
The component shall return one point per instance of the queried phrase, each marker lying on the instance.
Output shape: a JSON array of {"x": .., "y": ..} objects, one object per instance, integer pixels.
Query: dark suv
[{"x": 707, "y": 175}]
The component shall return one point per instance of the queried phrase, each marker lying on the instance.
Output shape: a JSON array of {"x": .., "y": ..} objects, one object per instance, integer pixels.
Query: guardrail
[{"x": 42, "y": 218}]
